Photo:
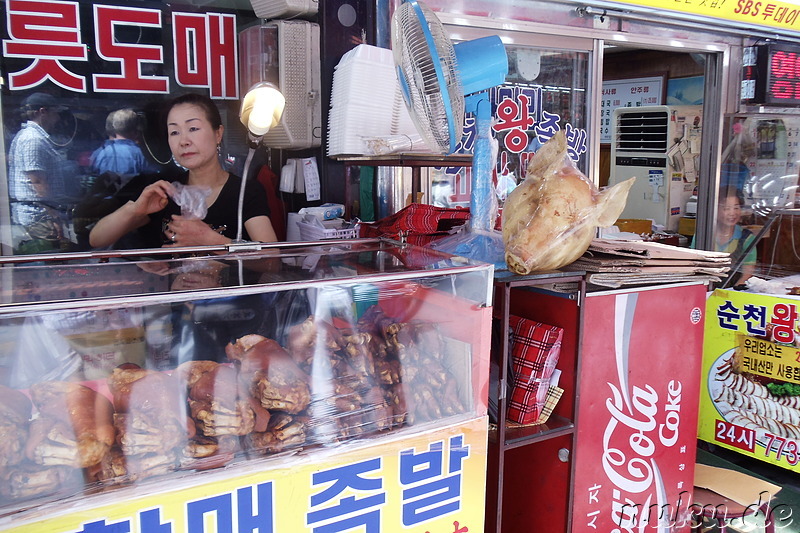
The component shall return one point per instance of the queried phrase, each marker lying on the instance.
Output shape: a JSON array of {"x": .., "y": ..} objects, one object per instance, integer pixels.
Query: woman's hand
[
  {"x": 130, "y": 216},
  {"x": 192, "y": 232},
  {"x": 154, "y": 198}
]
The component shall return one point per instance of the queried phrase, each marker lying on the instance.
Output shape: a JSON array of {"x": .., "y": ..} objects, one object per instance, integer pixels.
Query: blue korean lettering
[
  {"x": 498, "y": 94},
  {"x": 100, "y": 526},
  {"x": 221, "y": 506},
  {"x": 547, "y": 126},
  {"x": 417, "y": 467},
  {"x": 464, "y": 146},
  {"x": 458, "y": 452},
  {"x": 353, "y": 510},
  {"x": 429, "y": 491},
  {"x": 468, "y": 140},
  {"x": 150, "y": 522},
  {"x": 534, "y": 95},
  {"x": 726, "y": 314},
  {"x": 755, "y": 317},
  {"x": 576, "y": 141},
  {"x": 263, "y": 520}
]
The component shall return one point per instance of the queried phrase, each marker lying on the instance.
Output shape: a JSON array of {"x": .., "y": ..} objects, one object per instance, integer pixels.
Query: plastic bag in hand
[
  {"x": 549, "y": 220},
  {"x": 191, "y": 199}
]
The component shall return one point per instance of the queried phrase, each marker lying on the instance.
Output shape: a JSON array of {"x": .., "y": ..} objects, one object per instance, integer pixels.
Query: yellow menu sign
[{"x": 785, "y": 15}]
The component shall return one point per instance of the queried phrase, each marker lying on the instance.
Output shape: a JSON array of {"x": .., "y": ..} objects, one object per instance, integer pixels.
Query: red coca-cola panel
[{"x": 637, "y": 409}]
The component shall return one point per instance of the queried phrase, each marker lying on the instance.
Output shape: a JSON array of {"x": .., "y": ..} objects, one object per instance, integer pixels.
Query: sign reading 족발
[
  {"x": 775, "y": 14},
  {"x": 750, "y": 391},
  {"x": 429, "y": 481}
]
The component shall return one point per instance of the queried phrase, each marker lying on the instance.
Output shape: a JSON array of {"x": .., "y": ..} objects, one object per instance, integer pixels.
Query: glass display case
[{"x": 344, "y": 374}]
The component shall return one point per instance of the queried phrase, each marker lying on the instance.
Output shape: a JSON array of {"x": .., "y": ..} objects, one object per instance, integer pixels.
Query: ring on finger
[{"x": 174, "y": 236}]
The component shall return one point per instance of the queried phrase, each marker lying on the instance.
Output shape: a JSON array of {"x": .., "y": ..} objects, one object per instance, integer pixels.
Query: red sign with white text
[
  {"x": 637, "y": 413},
  {"x": 47, "y": 41}
]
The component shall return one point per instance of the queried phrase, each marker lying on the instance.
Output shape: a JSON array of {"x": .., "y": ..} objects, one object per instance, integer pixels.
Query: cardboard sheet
[
  {"x": 734, "y": 485},
  {"x": 649, "y": 269},
  {"x": 618, "y": 263},
  {"x": 655, "y": 250},
  {"x": 617, "y": 280},
  {"x": 600, "y": 258}
]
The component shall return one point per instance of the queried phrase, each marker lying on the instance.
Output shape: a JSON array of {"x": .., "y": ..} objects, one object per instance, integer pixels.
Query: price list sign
[{"x": 631, "y": 92}]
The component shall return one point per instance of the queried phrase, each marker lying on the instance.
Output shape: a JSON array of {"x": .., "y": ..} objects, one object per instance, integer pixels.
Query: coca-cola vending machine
[{"x": 637, "y": 409}]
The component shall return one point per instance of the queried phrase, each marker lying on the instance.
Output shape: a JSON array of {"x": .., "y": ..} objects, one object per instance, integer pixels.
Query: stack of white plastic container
[{"x": 368, "y": 115}]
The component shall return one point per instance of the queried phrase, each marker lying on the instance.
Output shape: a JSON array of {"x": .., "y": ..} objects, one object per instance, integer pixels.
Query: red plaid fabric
[
  {"x": 535, "y": 348},
  {"x": 422, "y": 223}
]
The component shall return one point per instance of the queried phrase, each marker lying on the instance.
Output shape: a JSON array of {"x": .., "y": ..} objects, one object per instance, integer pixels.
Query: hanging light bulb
[{"x": 262, "y": 108}]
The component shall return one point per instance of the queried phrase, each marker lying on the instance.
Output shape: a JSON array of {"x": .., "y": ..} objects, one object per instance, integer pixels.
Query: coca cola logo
[{"x": 637, "y": 428}]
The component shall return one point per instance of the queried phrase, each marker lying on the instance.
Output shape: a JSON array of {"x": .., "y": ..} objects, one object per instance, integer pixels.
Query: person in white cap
[{"x": 36, "y": 180}]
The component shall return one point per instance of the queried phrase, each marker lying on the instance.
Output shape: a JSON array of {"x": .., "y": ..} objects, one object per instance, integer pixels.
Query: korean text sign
[
  {"x": 771, "y": 13},
  {"x": 749, "y": 398},
  {"x": 431, "y": 481},
  {"x": 118, "y": 48}
]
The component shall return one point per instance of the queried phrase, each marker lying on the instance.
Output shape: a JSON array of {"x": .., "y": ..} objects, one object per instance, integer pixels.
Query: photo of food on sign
[{"x": 751, "y": 400}]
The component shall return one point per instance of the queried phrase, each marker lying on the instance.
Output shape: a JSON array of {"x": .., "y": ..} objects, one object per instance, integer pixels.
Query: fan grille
[{"x": 429, "y": 92}]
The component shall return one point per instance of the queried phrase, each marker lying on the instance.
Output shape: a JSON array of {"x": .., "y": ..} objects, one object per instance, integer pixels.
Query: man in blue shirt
[{"x": 120, "y": 156}]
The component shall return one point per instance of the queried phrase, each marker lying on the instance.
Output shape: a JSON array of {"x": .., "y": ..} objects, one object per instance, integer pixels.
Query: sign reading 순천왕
[{"x": 750, "y": 391}]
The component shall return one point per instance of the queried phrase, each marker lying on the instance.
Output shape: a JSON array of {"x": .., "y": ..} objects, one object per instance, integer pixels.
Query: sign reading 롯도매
[
  {"x": 90, "y": 48},
  {"x": 750, "y": 391},
  {"x": 426, "y": 481}
]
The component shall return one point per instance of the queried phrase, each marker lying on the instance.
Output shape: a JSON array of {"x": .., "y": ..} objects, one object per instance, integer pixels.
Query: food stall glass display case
[{"x": 284, "y": 387}]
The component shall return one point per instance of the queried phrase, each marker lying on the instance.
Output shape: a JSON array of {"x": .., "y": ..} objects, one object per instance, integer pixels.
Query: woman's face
[
  {"x": 192, "y": 139},
  {"x": 729, "y": 212}
]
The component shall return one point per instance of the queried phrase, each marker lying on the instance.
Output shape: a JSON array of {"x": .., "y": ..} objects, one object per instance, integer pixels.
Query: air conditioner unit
[
  {"x": 286, "y": 53},
  {"x": 270, "y": 9},
  {"x": 660, "y": 146}
]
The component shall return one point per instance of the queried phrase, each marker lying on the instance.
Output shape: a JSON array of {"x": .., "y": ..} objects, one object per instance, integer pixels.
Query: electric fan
[{"x": 435, "y": 76}]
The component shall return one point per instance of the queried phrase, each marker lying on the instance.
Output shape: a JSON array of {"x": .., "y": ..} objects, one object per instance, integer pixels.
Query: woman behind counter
[
  {"x": 194, "y": 129},
  {"x": 731, "y": 237}
]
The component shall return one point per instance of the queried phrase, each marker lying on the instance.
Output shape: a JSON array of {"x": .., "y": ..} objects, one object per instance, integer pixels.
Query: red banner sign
[{"x": 48, "y": 33}]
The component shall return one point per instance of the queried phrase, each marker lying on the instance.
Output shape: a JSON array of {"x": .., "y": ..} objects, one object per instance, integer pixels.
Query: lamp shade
[{"x": 262, "y": 108}]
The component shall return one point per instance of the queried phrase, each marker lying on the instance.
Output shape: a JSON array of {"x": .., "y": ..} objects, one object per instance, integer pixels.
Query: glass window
[
  {"x": 81, "y": 106},
  {"x": 545, "y": 92},
  {"x": 756, "y": 221}
]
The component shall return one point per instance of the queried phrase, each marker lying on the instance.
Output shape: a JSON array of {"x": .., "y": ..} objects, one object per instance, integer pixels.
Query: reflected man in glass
[{"x": 36, "y": 181}]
